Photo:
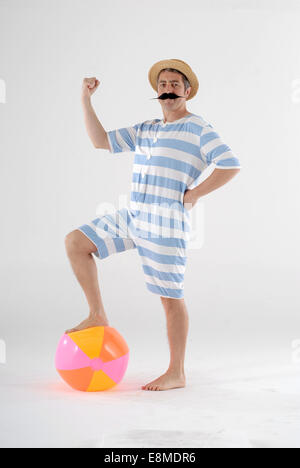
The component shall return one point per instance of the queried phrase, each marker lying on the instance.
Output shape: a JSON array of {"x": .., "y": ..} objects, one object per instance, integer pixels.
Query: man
[{"x": 170, "y": 154}]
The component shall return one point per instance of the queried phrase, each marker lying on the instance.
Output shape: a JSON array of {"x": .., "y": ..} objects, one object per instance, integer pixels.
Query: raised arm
[{"x": 94, "y": 128}]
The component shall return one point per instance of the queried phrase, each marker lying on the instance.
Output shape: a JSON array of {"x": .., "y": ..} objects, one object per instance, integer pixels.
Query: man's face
[{"x": 171, "y": 82}]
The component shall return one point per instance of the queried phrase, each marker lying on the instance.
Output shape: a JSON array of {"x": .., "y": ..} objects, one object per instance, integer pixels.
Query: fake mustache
[{"x": 168, "y": 96}]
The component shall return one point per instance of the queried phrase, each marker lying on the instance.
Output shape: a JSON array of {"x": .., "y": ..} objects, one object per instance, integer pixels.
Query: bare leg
[
  {"x": 79, "y": 249},
  {"x": 177, "y": 325}
]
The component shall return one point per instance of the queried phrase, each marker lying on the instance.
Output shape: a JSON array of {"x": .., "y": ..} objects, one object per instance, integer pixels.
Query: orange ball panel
[
  {"x": 79, "y": 379},
  {"x": 114, "y": 346},
  {"x": 100, "y": 381}
]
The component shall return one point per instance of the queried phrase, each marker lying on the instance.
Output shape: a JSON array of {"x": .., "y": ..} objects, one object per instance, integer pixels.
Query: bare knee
[
  {"x": 76, "y": 242},
  {"x": 171, "y": 303}
]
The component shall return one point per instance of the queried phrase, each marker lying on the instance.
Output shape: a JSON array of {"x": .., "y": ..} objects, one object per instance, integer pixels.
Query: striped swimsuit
[{"x": 169, "y": 157}]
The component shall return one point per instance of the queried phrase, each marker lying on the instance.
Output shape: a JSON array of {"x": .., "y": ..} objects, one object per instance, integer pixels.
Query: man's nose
[{"x": 168, "y": 91}]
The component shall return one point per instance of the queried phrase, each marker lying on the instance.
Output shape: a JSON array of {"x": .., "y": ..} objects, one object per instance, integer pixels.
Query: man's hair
[{"x": 185, "y": 80}]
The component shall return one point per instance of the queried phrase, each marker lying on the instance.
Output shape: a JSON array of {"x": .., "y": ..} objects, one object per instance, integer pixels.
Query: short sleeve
[
  {"x": 122, "y": 139},
  {"x": 214, "y": 150}
]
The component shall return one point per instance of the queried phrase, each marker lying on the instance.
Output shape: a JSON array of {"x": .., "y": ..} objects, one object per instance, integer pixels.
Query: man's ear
[{"x": 189, "y": 90}]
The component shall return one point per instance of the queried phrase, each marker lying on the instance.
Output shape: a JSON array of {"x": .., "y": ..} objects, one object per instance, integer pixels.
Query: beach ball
[{"x": 92, "y": 360}]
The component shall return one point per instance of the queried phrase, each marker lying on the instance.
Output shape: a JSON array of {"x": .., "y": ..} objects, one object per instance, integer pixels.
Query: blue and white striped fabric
[
  {"x": 163, "y": 259},
  {"x": 169, "y": 157}
]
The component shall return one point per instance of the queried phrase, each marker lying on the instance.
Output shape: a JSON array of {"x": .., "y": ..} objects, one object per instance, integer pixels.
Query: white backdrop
[{"x": 241, "y": 286}]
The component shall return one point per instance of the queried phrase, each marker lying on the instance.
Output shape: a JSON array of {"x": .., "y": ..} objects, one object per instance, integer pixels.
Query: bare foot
[
  {"x": 166, "y": 381},
  {"x": 96, "y": 321}
]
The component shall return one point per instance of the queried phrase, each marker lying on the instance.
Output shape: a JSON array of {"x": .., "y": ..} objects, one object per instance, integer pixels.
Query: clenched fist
[{"x": 89, "y": 86}]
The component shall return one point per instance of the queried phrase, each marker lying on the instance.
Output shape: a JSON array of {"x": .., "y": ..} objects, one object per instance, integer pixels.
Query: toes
[{"x": 151, "y": 387}]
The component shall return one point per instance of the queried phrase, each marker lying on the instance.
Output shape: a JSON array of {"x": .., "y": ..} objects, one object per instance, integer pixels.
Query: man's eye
[{"x": 163, "y": 84}]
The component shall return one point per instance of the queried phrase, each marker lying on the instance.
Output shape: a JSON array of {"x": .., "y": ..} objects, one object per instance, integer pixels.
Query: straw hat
[{"x": 178, "y": 65}]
